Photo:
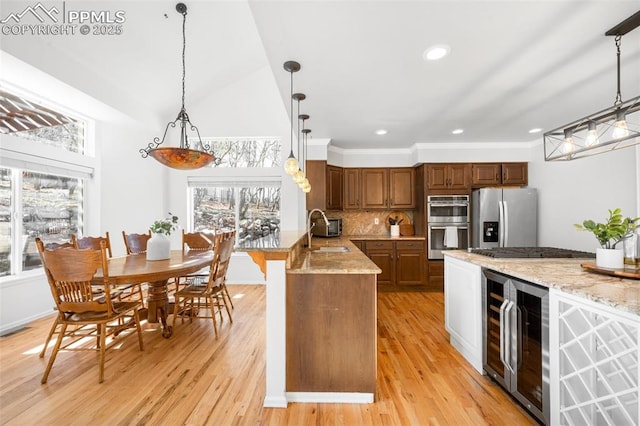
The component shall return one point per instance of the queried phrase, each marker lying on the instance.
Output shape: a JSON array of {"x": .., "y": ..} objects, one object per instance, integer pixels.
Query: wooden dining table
[{"x": 136, "y": 269}]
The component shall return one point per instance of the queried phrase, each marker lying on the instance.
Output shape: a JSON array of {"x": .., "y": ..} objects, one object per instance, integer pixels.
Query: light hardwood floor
[{"x": 194, "y": 379}]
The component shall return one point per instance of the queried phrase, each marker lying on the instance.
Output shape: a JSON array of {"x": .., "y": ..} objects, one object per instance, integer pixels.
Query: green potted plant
[
  {"x": 609, "y": 234},
  {"x": 159, "y": 245}
]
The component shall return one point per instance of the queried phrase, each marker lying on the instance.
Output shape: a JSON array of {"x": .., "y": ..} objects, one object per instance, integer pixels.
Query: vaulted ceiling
[{"x": 513, "y": 65}]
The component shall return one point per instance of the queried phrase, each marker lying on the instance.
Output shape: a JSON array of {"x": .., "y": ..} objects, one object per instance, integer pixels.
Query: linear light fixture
[{"x": 607, "y": 130}]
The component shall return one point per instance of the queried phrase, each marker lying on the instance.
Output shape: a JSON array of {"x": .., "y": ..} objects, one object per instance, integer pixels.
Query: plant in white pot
[
  {"x": 609, "y": 235},
  {"x": 159, "y": 245}
]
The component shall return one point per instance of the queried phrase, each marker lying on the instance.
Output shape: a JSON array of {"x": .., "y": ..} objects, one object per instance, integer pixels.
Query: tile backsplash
[{"x": 363, "y": 222}]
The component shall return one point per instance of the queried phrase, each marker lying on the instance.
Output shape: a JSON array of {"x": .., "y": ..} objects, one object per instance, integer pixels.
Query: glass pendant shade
[
  {"x": 620, "y": 129},
  {"x": 298, "y": 176},
  {"x": 291, "y": 165},
  {"x": 592, "y": 135},
  {"x": 567, "y": 146},
  {"x": 182, "y": 159}
]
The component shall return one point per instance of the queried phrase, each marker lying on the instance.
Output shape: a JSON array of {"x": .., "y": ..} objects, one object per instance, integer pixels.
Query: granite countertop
[
  {"x": 282, "y": 241},
  {"x": 317, "y": 262},
  {"x": 383, "y": 237},
  {"x": 566, "y": 275}
]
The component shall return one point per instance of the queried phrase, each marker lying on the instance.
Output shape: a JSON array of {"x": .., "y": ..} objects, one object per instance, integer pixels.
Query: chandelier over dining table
[{"x": 186, "y": 156}]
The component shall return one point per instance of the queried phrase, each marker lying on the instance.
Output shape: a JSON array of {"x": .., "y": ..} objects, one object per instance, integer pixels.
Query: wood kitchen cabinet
[
  {"x": 410, "y": 262},
  {"x": 448, "y": 176},
  {"x": 496, "y": 174},
  {"x": 402, "y": 262},
  {"x": 326, "y": 186},
  {"x": 402, "y": 188},
  {"x": 388, "y": 188},
  {"x": 351, "y": 192},
  {"x": 382, "y": 254}
]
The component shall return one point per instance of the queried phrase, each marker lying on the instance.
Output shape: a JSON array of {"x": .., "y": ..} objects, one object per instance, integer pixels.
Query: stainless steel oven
[
  {"x": 516, "y": 339},
  {"x": 448, "y": 209},
  {"x": 447, "y": 236},
  {"x": 447, "y": 224}
]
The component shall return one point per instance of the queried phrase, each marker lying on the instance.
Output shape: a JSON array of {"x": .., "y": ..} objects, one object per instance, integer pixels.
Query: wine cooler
[{"x": 516, "y": 339}]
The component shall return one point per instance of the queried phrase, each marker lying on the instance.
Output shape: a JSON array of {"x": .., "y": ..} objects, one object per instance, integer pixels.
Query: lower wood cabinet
[
  {"x": 402, "y": 262},
  {"x": 436, "y": 275}
]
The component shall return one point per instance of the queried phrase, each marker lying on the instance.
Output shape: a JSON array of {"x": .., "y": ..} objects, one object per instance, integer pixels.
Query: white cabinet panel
[{"x": 463, "y": 308}]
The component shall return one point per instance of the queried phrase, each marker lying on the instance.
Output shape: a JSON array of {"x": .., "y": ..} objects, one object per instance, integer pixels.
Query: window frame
[{"x": 19, "y": 156}]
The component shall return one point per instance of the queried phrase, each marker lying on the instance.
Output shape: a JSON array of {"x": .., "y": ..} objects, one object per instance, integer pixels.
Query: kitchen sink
[{"x": 333, "y": 249}]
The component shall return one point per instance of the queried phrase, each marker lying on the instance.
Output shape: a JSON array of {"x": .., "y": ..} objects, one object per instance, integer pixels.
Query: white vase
[
  {"x": 609, "y": 258},
  {"x": 395, "y": 230},
  {"x": 158, "y": 247}
]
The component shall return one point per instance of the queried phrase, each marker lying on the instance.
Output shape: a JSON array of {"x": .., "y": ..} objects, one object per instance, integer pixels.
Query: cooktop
[{"x": 532, "y": 252}]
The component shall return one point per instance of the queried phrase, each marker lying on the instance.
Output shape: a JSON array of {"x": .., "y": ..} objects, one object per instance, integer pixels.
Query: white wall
[{"x": 572, "y": 191}]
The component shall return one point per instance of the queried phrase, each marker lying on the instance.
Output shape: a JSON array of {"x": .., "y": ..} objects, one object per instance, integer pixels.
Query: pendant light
[
  {"x": 185, "y": 157},
  {"x": 299, "y": 176},
  {"x": 613, "y": 128},
  {"x": 305, "y": 186},
  {"x": 291, "y": 165}
]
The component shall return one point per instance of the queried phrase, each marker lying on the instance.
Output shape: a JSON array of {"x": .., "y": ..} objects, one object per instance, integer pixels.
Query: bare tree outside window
[{"x": 246, "y": 152}]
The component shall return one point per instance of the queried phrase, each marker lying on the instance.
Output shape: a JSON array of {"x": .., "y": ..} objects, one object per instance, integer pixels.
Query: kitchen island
[
  {"x": 320, "y": 320},
  {"x": 593, "y": 332}
]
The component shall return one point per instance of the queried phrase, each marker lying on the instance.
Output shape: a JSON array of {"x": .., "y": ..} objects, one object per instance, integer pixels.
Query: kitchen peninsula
[
  {"x": 593, "y": 324},
  {"x": 320, "y": 320}
]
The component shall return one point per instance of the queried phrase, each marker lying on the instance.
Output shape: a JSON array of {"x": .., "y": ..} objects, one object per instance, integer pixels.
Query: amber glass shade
[{"x": 182, "y": 159}]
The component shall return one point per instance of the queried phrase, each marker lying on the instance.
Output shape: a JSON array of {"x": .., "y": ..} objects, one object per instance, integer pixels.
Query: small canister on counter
[{"x": 631, "y": 247}]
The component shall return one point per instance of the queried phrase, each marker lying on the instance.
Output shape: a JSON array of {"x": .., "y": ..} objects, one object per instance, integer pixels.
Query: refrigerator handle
[
  {"x": 500, "y": 224},
  {"x": 520, "y": 338},
  {"x": 507, "y": 315},
  {"x": 505, "y": 226}
]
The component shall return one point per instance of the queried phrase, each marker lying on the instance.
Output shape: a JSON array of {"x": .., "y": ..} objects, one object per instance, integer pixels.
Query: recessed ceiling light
[
  {"x": 381, "y": 132},
  {"x": 436, "y": 52},
  {"x": 457, "y": 131},
  {"x": 535, "y": 130}
]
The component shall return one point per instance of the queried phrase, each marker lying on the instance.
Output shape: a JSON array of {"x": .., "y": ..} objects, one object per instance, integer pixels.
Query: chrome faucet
[{"x": 309, "y": 225}]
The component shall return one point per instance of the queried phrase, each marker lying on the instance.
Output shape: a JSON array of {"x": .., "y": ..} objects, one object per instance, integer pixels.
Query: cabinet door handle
[{"x": 497, "y": 176}]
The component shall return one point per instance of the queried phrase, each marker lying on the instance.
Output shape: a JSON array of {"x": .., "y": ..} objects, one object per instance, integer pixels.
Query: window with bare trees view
[
  {"x": 249, "y": 205},
  {"x": 39, "y": 196}
]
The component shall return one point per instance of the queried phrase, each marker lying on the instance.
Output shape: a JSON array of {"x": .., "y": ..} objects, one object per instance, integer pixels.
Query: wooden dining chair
[
  {"x": 70, "y": 273},
  {"x": 124, "y": 291},
  {"x": 230, "y": 237},
  {"x": 54, "y": 326},
  {"x": 136, "y": 243},
  {"x": 205, "y": 298},
  {"x": 92, "y": 243},
  {"x": 195, "y": 241}
]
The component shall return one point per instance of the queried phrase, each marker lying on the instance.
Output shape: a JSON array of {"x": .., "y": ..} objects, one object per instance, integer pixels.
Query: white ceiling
[{"x": 514, "y": 65}]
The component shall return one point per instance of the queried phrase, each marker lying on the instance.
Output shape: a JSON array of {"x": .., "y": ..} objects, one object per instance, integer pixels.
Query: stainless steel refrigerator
[{"x": 504, "y": 217}]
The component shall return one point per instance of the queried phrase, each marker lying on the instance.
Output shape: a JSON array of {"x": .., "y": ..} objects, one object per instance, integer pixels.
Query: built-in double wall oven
[{"x": 447, "y": 224}]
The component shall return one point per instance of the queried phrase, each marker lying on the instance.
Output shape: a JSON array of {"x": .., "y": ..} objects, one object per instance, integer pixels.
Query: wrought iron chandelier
[
  {"x": 185, "y": 157},
  {"x": 607, "y": 130}
]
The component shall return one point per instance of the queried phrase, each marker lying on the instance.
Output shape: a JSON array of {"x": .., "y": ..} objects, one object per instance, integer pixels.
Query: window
[
  {"x": 248, "y": 202},
  {"x": 51, "y": 208},
  {"x": 258, "y": 152},
  {"x": 251, "y": 208},
  {"x": 43, "y": 171}
]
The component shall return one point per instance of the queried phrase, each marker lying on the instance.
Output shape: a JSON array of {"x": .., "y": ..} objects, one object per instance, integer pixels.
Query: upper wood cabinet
[
  {"x": 448, "y": 176},
  {"x": 375, "y": 188},
  {"x": 495, "y": 174},
  {"x": 388, "y": 188},
  {"x": 402, "y": 191},
  {"x": 326, "y": 186},
  {"x": 351, "y": 193}
]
